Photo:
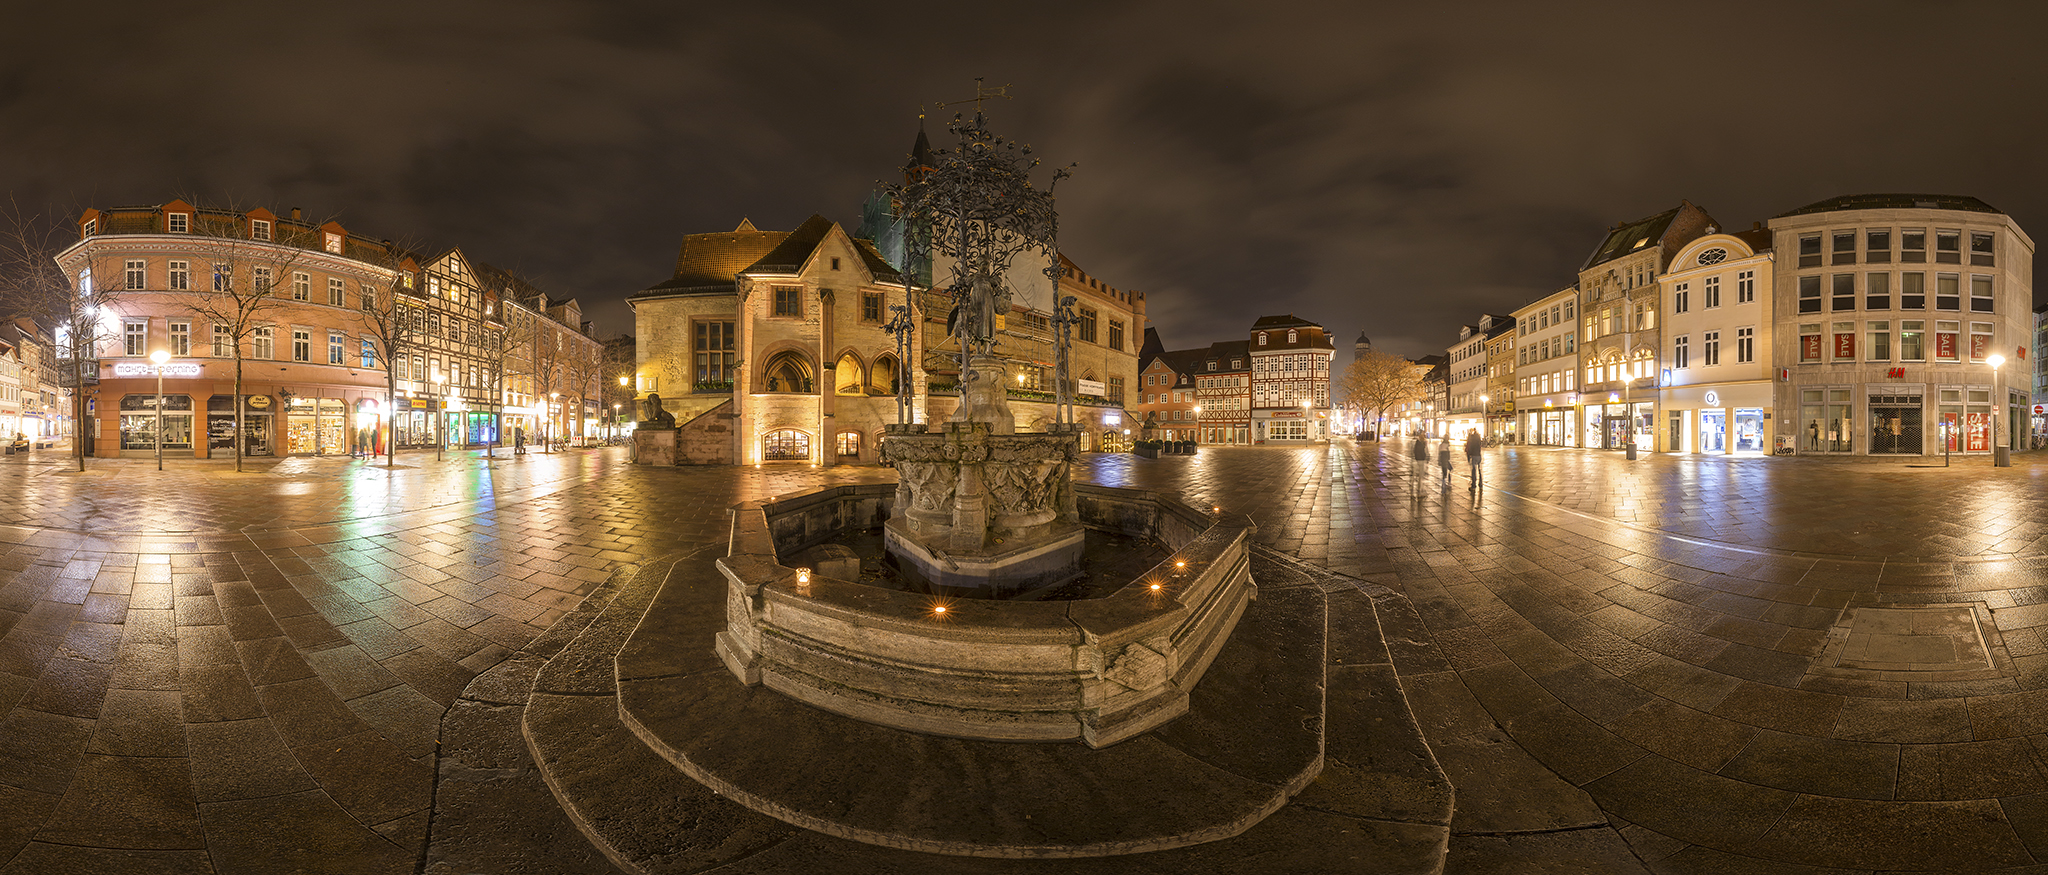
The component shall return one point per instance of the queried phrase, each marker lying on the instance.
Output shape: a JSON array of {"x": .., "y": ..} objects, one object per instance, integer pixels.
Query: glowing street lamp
[
  {"x": 2001, "y": 457},
  {"x": 440, "y": 414},
  {"x": 548, "y": 433},
  {"x": 160, "y": 357}
]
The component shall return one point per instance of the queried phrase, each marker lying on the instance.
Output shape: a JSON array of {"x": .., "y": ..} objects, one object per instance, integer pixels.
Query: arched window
[
  {"x": 882, "y": 377},
  {"x": 849, "y": 445},
  {"x": 847, "y": 376},
  {"x": 1291, "y": 336},
  {"x": 786, "y": 445},
  {"x": 788, "y": 371}
]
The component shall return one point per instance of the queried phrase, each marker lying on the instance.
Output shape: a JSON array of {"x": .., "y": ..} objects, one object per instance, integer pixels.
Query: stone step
[{"x": 1373, "y": 798}]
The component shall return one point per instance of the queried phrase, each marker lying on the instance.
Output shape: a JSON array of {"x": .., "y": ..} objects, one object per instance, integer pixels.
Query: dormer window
[
  {"x": 1262, "y": 338},
  {"x": 259, "y": 229},
  {"x": 1291, "y": 335},
  {"x": 91, "y": 225},
  {"x": 334, "y": 243},
  {"x": 180, "y": 223}
]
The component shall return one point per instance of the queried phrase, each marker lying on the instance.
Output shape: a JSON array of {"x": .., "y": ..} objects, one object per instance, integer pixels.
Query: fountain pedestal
[{"x": 977, "y": 509}]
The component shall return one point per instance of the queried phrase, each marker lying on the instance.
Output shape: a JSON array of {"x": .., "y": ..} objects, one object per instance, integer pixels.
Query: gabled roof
[
  {"x": 795, "y": 249},
  {"x": 1631, "y": 236},
  {"x": 1180, "y": 361},
  {"x": 1287, "y": 321}
]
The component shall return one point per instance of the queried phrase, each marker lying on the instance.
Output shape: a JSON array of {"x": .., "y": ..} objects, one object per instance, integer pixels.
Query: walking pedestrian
[
  {"x": 1418, "y": 449},
  {"x": 1472, "y": 456},
  {"x": 1443, "y": 459}
]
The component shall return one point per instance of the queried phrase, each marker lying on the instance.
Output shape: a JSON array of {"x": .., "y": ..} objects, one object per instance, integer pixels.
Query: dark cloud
[{"x": 1392, "y": 168}]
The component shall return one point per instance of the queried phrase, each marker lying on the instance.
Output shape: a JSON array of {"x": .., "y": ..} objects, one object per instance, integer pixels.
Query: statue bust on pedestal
[{"x": 653, "y": 415}]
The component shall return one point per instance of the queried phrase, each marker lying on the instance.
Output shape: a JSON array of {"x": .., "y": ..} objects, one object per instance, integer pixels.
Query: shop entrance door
[
  {"x": 1895, "y": 424},
  {"x": 1617, "y": 432}
]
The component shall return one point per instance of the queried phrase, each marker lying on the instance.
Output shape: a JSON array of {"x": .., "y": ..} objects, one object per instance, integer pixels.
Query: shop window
[
  {"x": 1912, "y": 291},
  {"x": 1844, "y": 292},
  {"x": 1809, "y": 250},
  {"x": 786, "y": 445},
  {"x": 1948, "y": 247},
  {"x": 1913, "y": 245},
  {"x": 1980, "y": 249},
  {"x": 1912, "y": 341},
  {"x": 1878, "y": 343},
  {"x": 1877, "y": 291},
  {"x": 1809, "y": 342}
]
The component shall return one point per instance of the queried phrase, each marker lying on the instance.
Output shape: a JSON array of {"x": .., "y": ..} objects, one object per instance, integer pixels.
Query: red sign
[
  {"x": 1979, "y": 432},
  {"x": 1979, "y": 345},
  {"x": 1896, "y": 373},
  {"x": 1845, "y": 346},
  {"x": 1945, "y": 345},
  {"x": 1809, "y": 347}
]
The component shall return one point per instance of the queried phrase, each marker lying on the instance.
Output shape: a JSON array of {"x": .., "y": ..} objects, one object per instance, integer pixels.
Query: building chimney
[{"x": 295, "y": 214}]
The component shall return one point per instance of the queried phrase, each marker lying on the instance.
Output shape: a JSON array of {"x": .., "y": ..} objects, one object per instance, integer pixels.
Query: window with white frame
[
  {"x": 302, "y": 286},
  {"x": 1980, "y": 294},
  {"x": 134, "y": 337},
  {"x": 1745, "y": 287},
  {"x": 263, "y": 279},
  {"x": 1877, "y": 341},
  {"x": 1712, "y": 292},
  {"x": 223, "y": 342},
  {"x": 180, "y": 276},
  {"x": 137, "y": 273},
  {"x": 223, "y": 277},
  {"x": 1681, "y": 298},
  {"x": 1679, "y": 349},
  {"x": 263, "y": 343},
  {"x": 337, "y": 348},
  {"x": 179, "y": 223},
  {"x": 334, "y": 243},
  {"x": 181, "y": 338},
  {"x": 1745, "y": 345},
  {"x": 302, "y": 345},
  {"x": 335, "y": 291},
  {"x": 259, "y": 229},
  {"x": 1710, "y": 348},
  {"x": 369, "y": 353}
]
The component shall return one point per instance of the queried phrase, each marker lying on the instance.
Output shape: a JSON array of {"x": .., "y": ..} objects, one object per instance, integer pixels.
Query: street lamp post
[
  {"x": 1628, "y": 412},
  {"x": 548, "y": 434},
  {"x": 2001, "y": 457},
  {"x": 440, "y": 414},
  {"x": 1485, "y": 416},
  {"x": 160, "y": 357}
]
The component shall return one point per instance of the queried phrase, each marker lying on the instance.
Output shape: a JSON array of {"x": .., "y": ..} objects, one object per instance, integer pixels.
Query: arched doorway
[{"x": 788, "y": 371}]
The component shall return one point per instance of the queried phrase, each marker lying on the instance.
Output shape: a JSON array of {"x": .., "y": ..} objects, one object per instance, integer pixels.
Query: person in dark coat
[
  {"x": 1443, "y": 459},
  {"x": 1418, "y": 449},
  {"x": 1472, "y": 456}
]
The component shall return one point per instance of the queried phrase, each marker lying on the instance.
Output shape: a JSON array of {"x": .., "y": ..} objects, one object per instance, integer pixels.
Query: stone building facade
[
  {"x": 1619, "y": 345},
  {"x": 1716, "y": 394},
  {"x": 1891, "y": 307},
  {"x": 1546, "y": 369}
]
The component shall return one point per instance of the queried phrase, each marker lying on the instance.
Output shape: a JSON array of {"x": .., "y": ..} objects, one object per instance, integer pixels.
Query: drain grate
[{"x": 1909, "y": 643}]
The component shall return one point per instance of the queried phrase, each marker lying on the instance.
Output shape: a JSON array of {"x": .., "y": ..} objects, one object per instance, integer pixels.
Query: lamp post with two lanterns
[{"x": 160, "y": 358}]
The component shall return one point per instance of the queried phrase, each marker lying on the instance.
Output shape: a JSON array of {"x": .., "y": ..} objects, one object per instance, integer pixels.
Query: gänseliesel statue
[{"x": 653, "y": 415}]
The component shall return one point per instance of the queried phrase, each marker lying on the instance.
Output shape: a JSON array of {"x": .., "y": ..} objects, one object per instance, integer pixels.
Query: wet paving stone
[{"x": 293, "y": 636}]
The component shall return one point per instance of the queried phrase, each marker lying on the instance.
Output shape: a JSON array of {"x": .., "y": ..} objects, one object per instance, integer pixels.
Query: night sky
[{"x": 1396, "y": 168}]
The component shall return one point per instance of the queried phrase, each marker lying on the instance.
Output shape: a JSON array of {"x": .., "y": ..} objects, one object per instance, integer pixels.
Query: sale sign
[
  {"x": 1945, "y": 345},
  {"x": 1845, "y": 346},
  {"x": 1980, "y": 432},
  {"x": 1809, "y": 347}
]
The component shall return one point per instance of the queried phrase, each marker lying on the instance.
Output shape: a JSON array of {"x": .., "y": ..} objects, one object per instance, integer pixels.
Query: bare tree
[
  {"x": 1377, "y": 381},
  {"x": 247, "y": 281},
  {"x": 394, "y": 317},
  {"x": 583, "y": 369},
  {"x": 548, "y": 359},
  {"x": 34, "y": 284},
  {"x": 508, "y": 336},
  {"x": 615, "y": 379}
]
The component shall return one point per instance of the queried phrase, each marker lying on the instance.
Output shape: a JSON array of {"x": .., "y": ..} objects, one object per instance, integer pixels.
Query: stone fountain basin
[{"x": 1095, "y": 670}]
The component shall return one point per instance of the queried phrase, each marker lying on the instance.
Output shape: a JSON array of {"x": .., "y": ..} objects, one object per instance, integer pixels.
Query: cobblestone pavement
[{"x": 1746, "y": 665}]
